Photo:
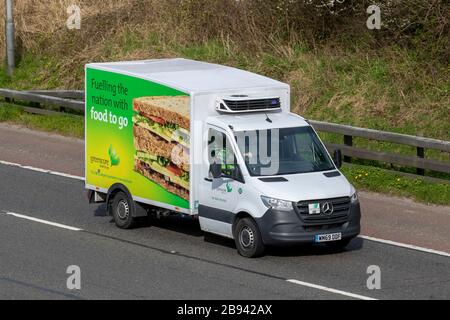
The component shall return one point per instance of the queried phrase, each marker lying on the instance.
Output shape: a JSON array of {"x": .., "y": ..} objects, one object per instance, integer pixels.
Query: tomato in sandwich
[
  {"x": 156, "y": 119},
  {"x": 175, "y": 170}
]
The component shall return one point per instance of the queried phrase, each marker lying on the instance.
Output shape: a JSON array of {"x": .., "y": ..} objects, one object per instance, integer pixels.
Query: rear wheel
[
  {"x": 121, "y": 210},
  {"x": 248, "y": 238}
]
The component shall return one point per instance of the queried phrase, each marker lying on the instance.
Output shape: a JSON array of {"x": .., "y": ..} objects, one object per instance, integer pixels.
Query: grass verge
[
  {"x": 66, "y": 125},
  {"x": 388, "y": 182}
]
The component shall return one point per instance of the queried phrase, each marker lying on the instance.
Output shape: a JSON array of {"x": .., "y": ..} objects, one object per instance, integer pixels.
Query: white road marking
[
  {"x": 54, "y": 224},
  {"x": 340, "y": 292},
  {"x": 55, "y": 173},
  {"x": 305, "y": 284},
  {"x": 389, "y": 242},
  {"x": 404, "y": 245}
]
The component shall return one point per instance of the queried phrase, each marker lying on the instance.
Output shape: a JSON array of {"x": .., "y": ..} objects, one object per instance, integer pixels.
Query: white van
[{"x": 218, "y": 144}]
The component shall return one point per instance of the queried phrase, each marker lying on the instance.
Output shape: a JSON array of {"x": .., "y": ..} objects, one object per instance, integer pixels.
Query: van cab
[{"x": 295, "y": 196}]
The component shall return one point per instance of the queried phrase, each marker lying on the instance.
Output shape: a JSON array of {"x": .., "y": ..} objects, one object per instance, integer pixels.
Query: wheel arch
[
  {"x": 136, "y": 209},
  {"x": 238, "y": 216}
]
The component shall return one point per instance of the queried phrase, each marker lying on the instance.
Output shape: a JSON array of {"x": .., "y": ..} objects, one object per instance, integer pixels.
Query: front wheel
[
  {"x": 248, "y": 238},
  {"x": 121, "y": 210}
]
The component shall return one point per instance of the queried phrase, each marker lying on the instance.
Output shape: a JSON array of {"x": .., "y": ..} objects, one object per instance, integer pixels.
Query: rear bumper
[{"x": 285, "y": 228}]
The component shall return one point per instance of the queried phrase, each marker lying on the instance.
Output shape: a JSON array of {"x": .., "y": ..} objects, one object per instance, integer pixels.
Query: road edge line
[
  {"x": 46, "y": 222},
  {"x": 405, "y": 245},
  {"x": 54, "y": 173},
  {"x": 331, "y": 290}
]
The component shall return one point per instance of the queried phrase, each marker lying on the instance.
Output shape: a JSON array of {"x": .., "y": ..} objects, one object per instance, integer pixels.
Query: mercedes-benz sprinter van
[{"x": 218, "y": 144}]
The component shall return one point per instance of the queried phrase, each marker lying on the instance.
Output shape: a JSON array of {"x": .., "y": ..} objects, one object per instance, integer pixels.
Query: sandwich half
[
  {"x": 167, "y": 117},
  {"x": 161, "y": 139}
]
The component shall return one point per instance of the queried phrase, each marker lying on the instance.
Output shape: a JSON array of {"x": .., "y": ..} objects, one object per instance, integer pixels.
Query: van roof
[
  {"x": 190, "y": 76},
  {"x": 257, "y": 121}
]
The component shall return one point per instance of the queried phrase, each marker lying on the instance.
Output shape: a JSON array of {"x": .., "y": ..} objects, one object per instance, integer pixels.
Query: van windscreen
[{"x": 283, "y": 151}]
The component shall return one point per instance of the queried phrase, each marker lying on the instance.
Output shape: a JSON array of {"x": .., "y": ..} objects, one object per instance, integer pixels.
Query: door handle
[{"x": 208, "y": 180}]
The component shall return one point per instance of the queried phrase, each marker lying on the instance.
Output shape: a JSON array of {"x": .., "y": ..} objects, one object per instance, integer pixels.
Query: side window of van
[{"x": 221, "y": 152}]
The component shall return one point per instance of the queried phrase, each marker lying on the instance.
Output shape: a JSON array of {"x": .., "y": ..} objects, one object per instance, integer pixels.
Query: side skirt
[{"x": 216, "y": 221}]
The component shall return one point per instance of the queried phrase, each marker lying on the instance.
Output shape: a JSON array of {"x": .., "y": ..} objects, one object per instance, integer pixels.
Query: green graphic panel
[{"x": 110, "y": 141}]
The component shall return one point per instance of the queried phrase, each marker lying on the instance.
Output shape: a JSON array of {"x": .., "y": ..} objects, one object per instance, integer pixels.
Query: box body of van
[{"x": 218, "y": 144}]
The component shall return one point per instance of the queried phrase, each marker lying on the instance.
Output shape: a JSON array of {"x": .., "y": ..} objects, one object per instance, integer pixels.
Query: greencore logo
[
  {"x": 240, "y": 191},
  {"x": 113, "y": 156},
  {"x": 229, "y": 187}
]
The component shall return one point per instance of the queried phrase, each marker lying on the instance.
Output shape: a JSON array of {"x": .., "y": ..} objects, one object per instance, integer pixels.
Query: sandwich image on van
[{"x": 161, "y": 139}]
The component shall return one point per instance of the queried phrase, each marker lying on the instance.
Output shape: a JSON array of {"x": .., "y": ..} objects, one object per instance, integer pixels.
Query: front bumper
[{"x": 288, "y": 227}]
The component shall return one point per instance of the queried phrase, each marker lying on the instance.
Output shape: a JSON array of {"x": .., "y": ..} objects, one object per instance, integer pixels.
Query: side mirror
[
  {"x": 337, "y": 158},
  {"x": 216, "y": 170}
]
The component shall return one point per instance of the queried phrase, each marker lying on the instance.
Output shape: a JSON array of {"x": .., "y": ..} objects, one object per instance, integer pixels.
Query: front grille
[
  {"x": 340, "y": 214},
  {"x": 324, "y": 227},
  {"x": 253, "y": 105}
]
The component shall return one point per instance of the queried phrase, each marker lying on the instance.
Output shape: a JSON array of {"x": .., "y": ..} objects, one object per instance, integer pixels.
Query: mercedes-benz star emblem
[{"x": 327, "y": 209}]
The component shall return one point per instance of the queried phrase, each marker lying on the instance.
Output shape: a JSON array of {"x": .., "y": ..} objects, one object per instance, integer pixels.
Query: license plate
[{"x": 328, "y": 237}]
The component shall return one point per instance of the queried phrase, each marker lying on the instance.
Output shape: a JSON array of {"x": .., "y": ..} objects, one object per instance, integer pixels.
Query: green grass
[
  {"x": 33, "y": 73},
  {"x": 67, "y": 125},
  {"x": 388, "y": 90},
  {"x": 388, "y": 182}
]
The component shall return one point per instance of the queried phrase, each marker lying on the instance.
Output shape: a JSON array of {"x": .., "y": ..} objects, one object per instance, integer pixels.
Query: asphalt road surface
[{"x": 46, "y": 225}]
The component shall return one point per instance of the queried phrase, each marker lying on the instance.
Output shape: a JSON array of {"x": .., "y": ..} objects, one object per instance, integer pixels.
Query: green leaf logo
[
  {"x": 229, "y": 187},
  {"x": 113, "y": 156}
]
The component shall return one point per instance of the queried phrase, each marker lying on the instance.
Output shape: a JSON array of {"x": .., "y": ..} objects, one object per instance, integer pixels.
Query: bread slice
[
  {"x": 149, "y": 142},
  {"x": 145, "y": 170},
  {"x": 172, "y": 109},
  {"x": 144, "y": 140}
]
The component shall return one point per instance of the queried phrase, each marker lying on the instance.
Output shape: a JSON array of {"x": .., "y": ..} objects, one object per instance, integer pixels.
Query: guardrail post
[
  {"x": 35, "y": 104},
  {"x": 10, "y": 55},
  {"x": 348, "y": 141},
  {"x": 420, "y": 154}
]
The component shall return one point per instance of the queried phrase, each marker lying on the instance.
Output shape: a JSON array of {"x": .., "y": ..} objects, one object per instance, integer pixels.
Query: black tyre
[
  {"x": 122, "y": 211},
  {"x": 248, "y": 238},
  {"x": 339, "y": 245}
]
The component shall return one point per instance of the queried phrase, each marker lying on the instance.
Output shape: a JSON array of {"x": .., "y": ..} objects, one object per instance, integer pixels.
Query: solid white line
[
  {"x": 344, "y": 293},
  {"x": 407, "y": 246},
  {"x": 54, "y": 224},
  {"x": 55, "y": 173}
]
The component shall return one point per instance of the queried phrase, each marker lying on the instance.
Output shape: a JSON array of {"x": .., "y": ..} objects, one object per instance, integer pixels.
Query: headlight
[
  {"x": 277, "y": 204},
  {"x": 354, "y": 198}
]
